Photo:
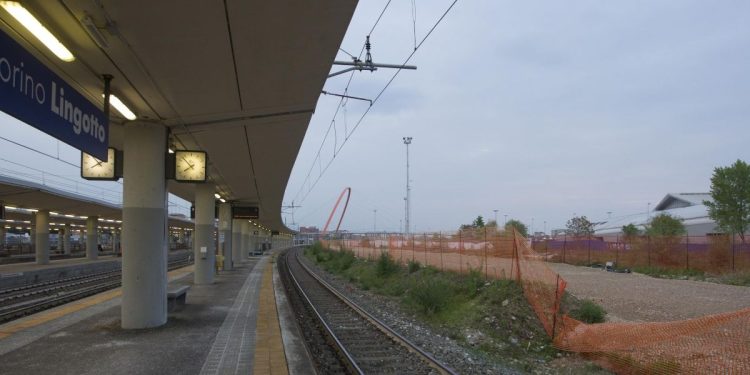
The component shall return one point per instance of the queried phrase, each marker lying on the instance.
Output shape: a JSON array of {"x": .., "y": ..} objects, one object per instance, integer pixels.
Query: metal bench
[{"x": 176, "y": 297}]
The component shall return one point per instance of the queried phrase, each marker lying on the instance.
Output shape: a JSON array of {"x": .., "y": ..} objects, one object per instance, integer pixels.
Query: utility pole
[
  {"x": 407, "y": 142},
  {"x": 506, "y": 220},
  {"x": 374, "y": 220},
  {"x": 495, "y": 211}
]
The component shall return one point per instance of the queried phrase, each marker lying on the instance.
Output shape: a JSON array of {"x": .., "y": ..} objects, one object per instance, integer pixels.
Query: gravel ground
[
  {"x": 450, "y": 352},
  {"x": 640, "y": 298}
]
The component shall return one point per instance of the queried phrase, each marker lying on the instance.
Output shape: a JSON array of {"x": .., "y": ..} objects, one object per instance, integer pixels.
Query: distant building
[
  {"x": 687, "y": 207},
  {"x": 309, "y": 230}
]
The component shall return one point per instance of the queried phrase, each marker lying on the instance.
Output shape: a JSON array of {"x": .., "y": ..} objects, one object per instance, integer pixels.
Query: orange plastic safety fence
[{"x": 712, "y": 344}]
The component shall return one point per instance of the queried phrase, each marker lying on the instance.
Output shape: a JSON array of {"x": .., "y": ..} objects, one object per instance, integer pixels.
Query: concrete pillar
[
  {"x": 116, "y": 241},
  {"x": 144, "y": 215},
  {"x": 92, "y": 237},
  {"x": 60, "y": 234},
  {"x": 225, "y": 231},
  {"x": 245, "y": 239},
  {"x": 204, "y": 248},
  {"x": 2, "y": 236},
  {"x": 236, "y": 241},
  {"x": 41, "y": 233},
  {"x": 66, "y": 240}
]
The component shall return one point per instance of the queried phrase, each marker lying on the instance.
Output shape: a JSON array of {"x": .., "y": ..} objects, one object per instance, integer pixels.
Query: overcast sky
[
  {"x": 536, "y": 109},
  {"x": 539, "y": 109}
]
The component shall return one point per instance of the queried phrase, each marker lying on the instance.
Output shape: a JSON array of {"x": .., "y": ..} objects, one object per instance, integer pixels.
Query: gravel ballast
[{"x": 639, "y": 298}]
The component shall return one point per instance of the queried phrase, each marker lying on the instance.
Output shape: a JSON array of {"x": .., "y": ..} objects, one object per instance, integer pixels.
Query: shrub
[
  {"x": 473, "y": 282},
  {"x": 342, "y": 260},
  {"x": 385, "y": 266},
  {"x": 414, "y": 266},
  {"x": 589, "y": 312},
  {"x": 431, "y": 295}
]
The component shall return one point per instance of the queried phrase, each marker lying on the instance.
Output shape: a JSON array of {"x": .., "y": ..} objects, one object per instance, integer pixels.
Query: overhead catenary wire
[
  {"x": 341, "y": 101},
  {"x": 374, "y": 101}
]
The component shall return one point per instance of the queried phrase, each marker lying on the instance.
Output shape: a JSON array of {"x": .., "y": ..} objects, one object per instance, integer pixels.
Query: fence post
[
  {"x": 733, "y": 269},
  {"x": 412, "y": 247},
  {"x": 485, "y": 253},
  {"x": 554, "y": 310},
  {"x": 617, "y": 250},
  {"x": 460, "y": 245},
  {"x": 687, "y": 251},
  {"x": 440, "y": 244}
]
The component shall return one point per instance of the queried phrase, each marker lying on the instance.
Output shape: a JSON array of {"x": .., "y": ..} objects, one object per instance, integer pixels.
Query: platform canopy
[{"x": 239, "y": 79}]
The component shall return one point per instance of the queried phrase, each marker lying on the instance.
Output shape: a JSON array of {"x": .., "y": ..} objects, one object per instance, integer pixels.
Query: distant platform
[{"x": 232, "y": 326}]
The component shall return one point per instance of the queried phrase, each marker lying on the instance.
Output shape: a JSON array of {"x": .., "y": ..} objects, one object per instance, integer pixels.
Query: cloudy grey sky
[{"x": 539, "y": 109}]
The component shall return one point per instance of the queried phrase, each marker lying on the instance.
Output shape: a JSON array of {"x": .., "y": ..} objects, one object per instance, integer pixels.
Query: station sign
[{"x": 34, "y": 94}]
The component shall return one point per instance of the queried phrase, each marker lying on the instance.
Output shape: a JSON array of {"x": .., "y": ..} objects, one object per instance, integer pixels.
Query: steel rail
[{"x": 411, "y": 347}]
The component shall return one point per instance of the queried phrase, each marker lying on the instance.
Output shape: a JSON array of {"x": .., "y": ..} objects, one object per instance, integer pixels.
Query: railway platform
[{"x": 239, "y": 324}]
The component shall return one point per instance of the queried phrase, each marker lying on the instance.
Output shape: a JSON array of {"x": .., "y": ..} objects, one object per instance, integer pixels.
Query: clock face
[
  {"x": 190, "y": 166},
  {"x": 95, "y": 169}
]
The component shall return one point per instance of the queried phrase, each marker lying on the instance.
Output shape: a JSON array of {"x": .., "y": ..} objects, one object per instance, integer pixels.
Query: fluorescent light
[
  {"x": 35, "y": 27},
  {"x": 121, "y": 107},
  {"x": 171, "y": 151},
  {"x": 217, "y": 196},
  {"x": 11, "y": 208},
  {"x": 223, "y": 200}
]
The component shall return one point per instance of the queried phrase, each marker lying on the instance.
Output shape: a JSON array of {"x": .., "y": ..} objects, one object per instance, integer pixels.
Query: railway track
[
  {"x": 342, "y": 337},
  {"x": 28, "y": 299}
]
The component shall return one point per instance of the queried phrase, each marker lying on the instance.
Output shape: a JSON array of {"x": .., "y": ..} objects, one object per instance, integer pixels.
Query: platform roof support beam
[
  {"x": 225, "y": 228},
  {"x": 92, "y": 238},
  {"x": 41, "y": 234},
  {"x": 204, "y": 248},
  {"x": 144, "y": 224}
]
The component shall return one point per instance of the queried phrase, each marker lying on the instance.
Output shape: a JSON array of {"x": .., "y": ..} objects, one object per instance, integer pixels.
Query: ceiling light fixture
[
  {"x": 121, "y": 107},
  {"x": 96, "y": 35},
  {"x": 37, "y": 29},
  {"x": 217, "y": 196}
]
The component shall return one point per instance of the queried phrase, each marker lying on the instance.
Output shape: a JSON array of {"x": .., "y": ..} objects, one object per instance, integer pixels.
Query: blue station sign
[{"x": 32, "y": 93}]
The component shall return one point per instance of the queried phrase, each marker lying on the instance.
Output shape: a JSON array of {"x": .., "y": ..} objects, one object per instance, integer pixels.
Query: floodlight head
[{"x": 407, "y": 140}]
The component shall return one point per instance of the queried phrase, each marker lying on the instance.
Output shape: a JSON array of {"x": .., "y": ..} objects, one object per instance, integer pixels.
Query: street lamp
[
  {"x": 495, "y": 211},
  {"x": 374, "y": 220},
  {"x": 407, "y": 142}
]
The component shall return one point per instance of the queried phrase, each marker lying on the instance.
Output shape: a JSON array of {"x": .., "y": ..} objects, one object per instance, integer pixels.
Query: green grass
[
  {"x": 671, "y": 273},
  {"x": 455, "y": 304},
  {"x": 588, "y": 312},
  {"x": 737, "y": 278}
]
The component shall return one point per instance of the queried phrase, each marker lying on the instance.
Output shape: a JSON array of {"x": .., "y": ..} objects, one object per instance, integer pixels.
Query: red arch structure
[{"x": 348, "y": 192}]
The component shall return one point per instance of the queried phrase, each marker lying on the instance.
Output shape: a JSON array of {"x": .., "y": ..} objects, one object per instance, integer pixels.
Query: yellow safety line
[
  {"x": 269, "y": 349},
  {"x": 46, "y": 316}
]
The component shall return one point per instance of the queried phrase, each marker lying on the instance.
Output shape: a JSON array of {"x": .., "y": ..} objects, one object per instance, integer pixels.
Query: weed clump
[
  {"x": 385, "y": 266},
  {"x": 589, "y": 312},
  {"x": 414, "y": 266},
  {"x": 431, "y": 295}
]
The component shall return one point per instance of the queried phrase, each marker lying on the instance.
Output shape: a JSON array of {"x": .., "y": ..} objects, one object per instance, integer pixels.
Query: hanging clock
[
  {"x": 110, "y": 169},
  {"x": 190, "y": 166}
]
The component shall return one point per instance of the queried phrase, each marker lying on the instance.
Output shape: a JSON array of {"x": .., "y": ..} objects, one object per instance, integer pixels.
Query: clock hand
[
  {"x": 98, "y": 164},
  {"x": 186, "y": 161}
]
